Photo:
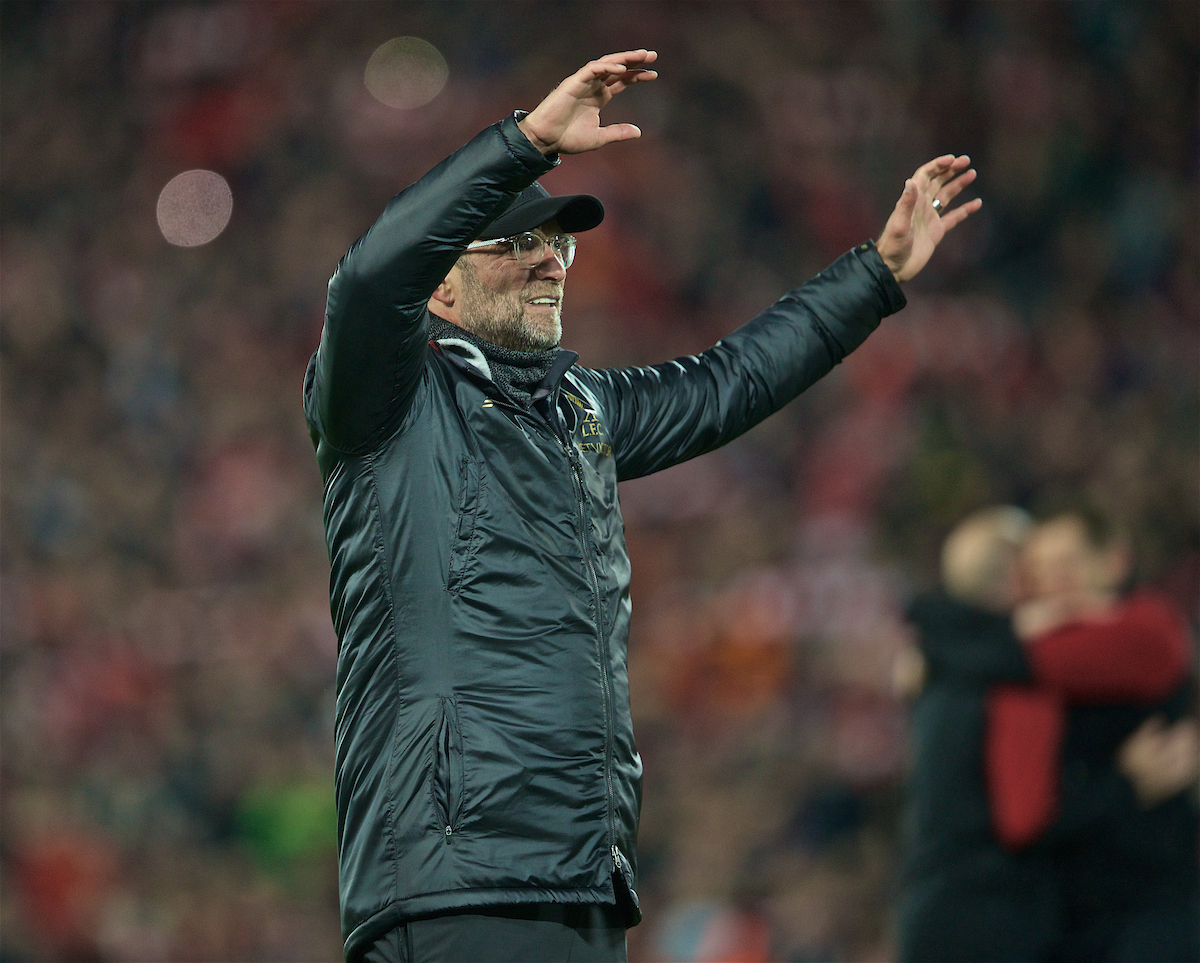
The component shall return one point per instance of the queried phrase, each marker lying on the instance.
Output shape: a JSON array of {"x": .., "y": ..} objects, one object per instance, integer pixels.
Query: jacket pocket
[
  {"x": 447, "y": 771},
  {"x": 466, "y": 536}
]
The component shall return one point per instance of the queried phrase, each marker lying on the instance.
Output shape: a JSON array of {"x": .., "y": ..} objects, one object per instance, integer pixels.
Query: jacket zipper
[
  {"x": 602, "y": 642},
  {"x": 445, "y": 784},
  {"x": 605, "y": 682}
]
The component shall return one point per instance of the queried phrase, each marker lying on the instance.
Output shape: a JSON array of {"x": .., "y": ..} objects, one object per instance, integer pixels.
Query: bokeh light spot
[
  {"x": 194, "y": 208},
  {"x": 406, "y": 72}
]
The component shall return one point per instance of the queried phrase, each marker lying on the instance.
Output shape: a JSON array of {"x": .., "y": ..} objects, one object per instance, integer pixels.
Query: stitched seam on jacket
[
  {"x": 382, "y": 554},
  {"x": 451, "y": 812},
  {"x": 415, "y": 404},
  {"x": 472, "y": 456},
  {"x": 441, "y": 812},
  {"x": 468, "y": 518}
]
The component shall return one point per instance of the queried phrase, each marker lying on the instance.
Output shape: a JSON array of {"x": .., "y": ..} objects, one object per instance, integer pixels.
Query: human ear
[{"x": 444, "y": 300}]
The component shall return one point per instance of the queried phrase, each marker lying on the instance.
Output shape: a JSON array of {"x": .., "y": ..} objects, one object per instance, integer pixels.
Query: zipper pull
[{"x": 616, "y": 855}]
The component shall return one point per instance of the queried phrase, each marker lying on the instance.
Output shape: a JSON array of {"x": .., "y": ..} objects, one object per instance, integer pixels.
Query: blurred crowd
[{"x": 166, "y": 653}]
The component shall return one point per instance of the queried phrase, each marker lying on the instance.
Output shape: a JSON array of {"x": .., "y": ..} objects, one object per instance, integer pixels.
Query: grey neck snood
[{"x": 516, "y": 373}]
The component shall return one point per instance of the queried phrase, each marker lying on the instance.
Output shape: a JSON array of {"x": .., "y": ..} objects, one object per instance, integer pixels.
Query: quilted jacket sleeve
[
  {"x": 367, "y": 368},
  {"x": 662, "y": 415},
  {"x": 1139, "y": 653}
]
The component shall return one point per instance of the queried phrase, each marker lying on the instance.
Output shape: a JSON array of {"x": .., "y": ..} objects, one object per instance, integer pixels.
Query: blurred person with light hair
[
  {"x": 963, "y": 896},
  {"x": 979, "y": 556},
  {"x": 986, "y": 814},
  {"x": 488, "y": 782}
]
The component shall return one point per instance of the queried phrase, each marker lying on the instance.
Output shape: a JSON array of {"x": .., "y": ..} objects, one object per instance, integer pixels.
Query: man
[
  {"x": 964, "y": 897},
  {"x": 488, "y": 783}
]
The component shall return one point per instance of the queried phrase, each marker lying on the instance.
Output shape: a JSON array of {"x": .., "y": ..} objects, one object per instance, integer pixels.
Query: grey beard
[
  {"x": 501, "y": 319},
  {"x": 513, "y": 332}
]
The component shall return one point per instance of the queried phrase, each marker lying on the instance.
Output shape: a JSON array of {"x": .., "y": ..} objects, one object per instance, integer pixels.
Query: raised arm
[
  {"x": 373, "y": 345},
  {"x": 668, "y": 413},
  {"x": 367, "y": 368},
  {"x": 664, "y": 414}
]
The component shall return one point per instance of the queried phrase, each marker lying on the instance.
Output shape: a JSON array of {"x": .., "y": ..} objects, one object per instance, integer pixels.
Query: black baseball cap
[{"x": 535, "y": 206}]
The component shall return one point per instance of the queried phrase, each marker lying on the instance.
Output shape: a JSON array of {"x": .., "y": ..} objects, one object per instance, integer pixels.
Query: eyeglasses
[{"x": 530, "y": 249}]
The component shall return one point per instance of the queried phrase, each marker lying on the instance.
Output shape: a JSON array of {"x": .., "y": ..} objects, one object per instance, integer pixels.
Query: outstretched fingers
[
  {"x": 928, "y": 172},
  {"x": 567, "y": 120},
  {"x": 952, "y": 219},
  {"x": 951, "y": 189},
  {"x": 938, "y": 171},
  {"x": 631, "y": 58},
  {"x": 947, "y": 182},
  {"x": 612, "y": 66},
  {"x": 907, "y": 204},
  {"x": 915, "y": 229},
  {"x": 943, "y": 179},
  {"x": 633, "y": 75},
  {"x": 618, "y": 132}
]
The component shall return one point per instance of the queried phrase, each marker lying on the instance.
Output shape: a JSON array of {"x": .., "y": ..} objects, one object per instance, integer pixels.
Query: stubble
[{"x": 502, "y": 319}]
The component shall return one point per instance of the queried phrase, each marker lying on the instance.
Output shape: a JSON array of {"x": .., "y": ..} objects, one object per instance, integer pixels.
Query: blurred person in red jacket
[
  {"x": 1123, "y": 665},
  {"x": 969, "y": 891}
]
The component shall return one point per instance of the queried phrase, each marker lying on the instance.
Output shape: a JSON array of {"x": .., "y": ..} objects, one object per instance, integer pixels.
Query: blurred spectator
[
  {"x": 964, "y": 897},
  {"x": 995, "y": 835}
]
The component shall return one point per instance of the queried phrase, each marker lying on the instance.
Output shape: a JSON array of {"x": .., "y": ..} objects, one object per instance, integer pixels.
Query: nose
[{"x": 550, "y": 268}]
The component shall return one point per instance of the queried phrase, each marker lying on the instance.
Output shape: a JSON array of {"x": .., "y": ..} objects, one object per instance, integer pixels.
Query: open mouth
[{"x": 544, "y": 302}]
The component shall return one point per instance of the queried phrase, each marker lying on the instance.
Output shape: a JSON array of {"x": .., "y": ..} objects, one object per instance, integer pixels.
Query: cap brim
[{"x": 573, "y": 212}]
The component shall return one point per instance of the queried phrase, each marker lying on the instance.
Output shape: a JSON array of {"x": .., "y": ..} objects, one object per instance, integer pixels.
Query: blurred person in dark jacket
[
  {"x": 971, "y": 891},
  {"x": 488, "y": 783},
  {"x": 1131, "y": 887}
]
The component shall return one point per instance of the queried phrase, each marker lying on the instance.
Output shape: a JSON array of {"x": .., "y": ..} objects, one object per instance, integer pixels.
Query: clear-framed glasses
[{"x": 529, "y": 249}]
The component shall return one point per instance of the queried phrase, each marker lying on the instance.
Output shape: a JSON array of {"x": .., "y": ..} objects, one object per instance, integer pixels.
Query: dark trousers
[{"x": 526, "y": 933}]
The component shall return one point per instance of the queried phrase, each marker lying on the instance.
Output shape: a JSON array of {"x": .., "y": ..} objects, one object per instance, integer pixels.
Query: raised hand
[
  {"x": 915, "y": 227},
  {"x": 568, "y": 120}
]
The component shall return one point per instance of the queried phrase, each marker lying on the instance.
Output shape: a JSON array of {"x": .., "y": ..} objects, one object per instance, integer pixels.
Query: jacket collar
[
  {"x": 556, "y": 373},
  {"x": 468, "y": 358},
  {"x": 463, "y": 353}
]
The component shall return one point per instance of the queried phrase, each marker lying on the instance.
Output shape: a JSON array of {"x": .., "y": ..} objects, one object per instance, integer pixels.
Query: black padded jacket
[{"x": 480, "y": 583}]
